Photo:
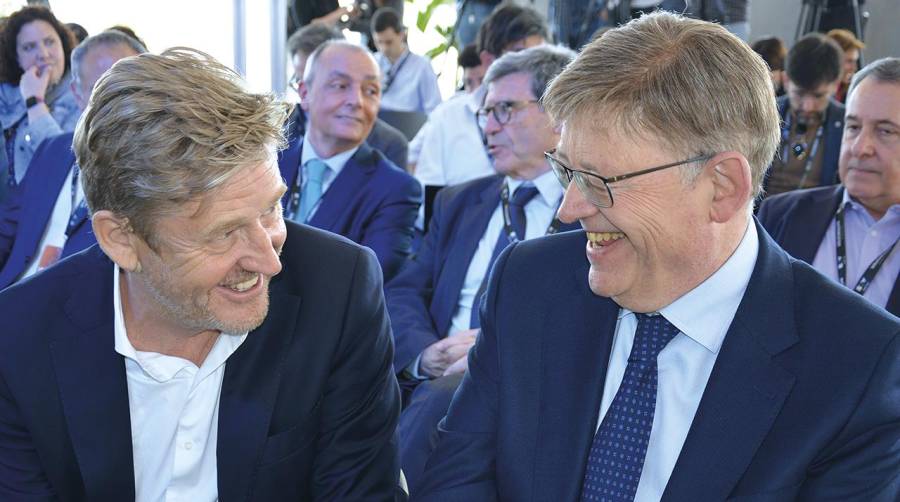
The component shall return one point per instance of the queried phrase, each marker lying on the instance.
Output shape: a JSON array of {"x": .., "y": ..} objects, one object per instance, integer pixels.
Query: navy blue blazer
[
  {"x": 798, "y": 221},
  {"x": 422, "y": 298},
  {"x": 26, "y": 212},
  {"x": 295, "y": 397},
  {"x": 371, "y": 202},
  {"x": 384, "y": 137},
  {"x": 801, "y": 403},
  {"x": 834, "y": 131}
]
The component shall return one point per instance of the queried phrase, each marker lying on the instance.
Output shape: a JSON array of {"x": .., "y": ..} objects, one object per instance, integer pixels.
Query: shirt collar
[
  {"x": 705, "y": 313},
  {"x": 161, "y": 367},
  {"x": 548, "y": 187},
  {"x": 334, "y": 163}
]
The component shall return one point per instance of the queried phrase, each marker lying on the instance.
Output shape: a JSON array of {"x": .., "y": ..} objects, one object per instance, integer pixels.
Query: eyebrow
[
  {"x": 236, "y": 222},
  {"x": 877, "y": 122},
  {"x": 583, "y": 165}
]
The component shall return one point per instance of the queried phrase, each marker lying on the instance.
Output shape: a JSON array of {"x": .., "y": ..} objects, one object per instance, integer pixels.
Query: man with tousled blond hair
[
  {"x": 205, "y": 349},
  {"x": 670, "y": 351}
]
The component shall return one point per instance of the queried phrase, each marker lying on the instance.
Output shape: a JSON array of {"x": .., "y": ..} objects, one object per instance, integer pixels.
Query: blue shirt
[
  {"x": 866, "y": 239},
  {"x": 413, "y": 85}
]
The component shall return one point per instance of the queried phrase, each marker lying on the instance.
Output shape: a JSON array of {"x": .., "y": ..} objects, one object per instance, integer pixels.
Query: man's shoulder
[
  {"x": 312, "y": 257},
  {"x": 384, "y": 169},
  {"x": 384, "y": 134},
  {"x": 782, "y": 205}
]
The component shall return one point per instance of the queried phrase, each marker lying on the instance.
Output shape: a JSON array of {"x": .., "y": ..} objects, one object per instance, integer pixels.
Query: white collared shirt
[
  {"x": 335, "y": 164},
  {"x": 539, "y": 212},
  {"x": 174, "y": 409},
  {"x": 703, "y": 317}
]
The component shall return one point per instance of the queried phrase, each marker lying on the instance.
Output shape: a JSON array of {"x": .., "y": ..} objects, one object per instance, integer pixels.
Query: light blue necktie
[
  {"x": 312, "y": 191},
  {"x": 617, "y": 454}
]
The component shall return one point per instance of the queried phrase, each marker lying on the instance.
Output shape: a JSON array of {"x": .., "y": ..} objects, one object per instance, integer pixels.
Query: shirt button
[{"x": 188, "y": 445}]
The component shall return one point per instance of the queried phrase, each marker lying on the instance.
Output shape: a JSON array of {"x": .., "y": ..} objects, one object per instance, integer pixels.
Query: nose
[
  {"x": 808, "y": 104},
  {"x": 354, "y": 95},
  {"x": 862, "y": 145},
  {"x": 491, "y": 125},
  {"x": 262, "y": 248},
  {"x": 575, "y": 205}
]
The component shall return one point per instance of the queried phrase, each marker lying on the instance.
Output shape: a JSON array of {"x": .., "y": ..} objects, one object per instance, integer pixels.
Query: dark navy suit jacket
[
  {"x": 423, "y": 297},
  {"x": 26, "y": 213},
  {"x": 831, "y": 142},
  {"x": 308, "y": 406},
  {"x": 801, "y": 403},
  {"x": 371, "y": 202},
  {"x": 384, "y": 137},
  {"x": 798, "y": 221}
]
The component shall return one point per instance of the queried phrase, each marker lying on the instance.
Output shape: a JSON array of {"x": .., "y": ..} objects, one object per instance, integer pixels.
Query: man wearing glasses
[
  {"x": 433, "y": 300},
  {"x": 686, "y": 356}
]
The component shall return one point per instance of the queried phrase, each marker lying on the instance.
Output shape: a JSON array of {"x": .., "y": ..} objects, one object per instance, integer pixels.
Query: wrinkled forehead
[{"x": 600, "y": 136}]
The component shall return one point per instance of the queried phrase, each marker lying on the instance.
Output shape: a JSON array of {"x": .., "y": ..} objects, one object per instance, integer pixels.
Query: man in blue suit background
[
  {"x": 433, "y": 300},
  {"x": 45, "y": 219},
  {"x": 849, "y": 232},
  {"x": 336, "y": 181},
  {"x": 205, "y": 349},
  {"x": 671, "y": 351}
]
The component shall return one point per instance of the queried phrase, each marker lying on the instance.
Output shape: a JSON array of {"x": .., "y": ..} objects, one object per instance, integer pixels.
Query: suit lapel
[
  {"x": 249, "y": 391},
  {"x": 93, "y": 387},
  {"x": 345, "y": 189},
  {"x": 746, "y": 389},
  {"x": 804, "y": 233},
  {"x": 289, "y": 165},
  {"x": 472, "y": 224},
  {"x": 573, "y": 368},
  {"x": 42, "y": 190}
]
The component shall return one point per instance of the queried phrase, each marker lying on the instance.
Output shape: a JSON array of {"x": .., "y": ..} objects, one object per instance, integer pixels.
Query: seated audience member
[
  {"x": 452, "y": 146},
  {"x": 671, "y": 351},
  {"x": 812, "y": 121},
  {"x": 851, "y": 47},
  {"x": 207, "y": 349},
  {"x": 36, "y": 101},
  {"x": 336, "y": 181},
  {"x": 773, "y": 52},
  {"x": 383, "y": 137},
  {"x": 473, "y": 68},
  {"x": 849, "y": 231},
  {"x": 409, "y": 83},
  {"x": 433, "y": 300},
  {"x": 46, "y": 219}
]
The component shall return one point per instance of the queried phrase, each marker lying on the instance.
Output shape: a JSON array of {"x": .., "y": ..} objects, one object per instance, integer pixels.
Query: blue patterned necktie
[
  {"x": 312, "y": 191},
  {"x": 520, "y": 197},
  {"x": 617, "y": 454}
]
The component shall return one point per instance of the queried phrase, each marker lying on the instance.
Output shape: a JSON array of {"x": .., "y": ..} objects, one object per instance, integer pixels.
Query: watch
[{"x": 31, "y": 101}]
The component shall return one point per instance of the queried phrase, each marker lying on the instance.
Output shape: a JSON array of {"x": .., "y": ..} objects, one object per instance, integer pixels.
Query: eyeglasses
[
  {"x": 595, "y": 187},
  {"x": 502, "y": 111}
]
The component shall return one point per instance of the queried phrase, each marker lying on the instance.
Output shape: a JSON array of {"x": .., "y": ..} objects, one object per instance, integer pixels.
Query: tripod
[{"x": 811, "y": 12}]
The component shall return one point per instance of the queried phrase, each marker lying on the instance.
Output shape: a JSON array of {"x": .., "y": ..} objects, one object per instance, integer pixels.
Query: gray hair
[
  {"x": 310, "y": 37},
  {"x": 309, "y": 73},
  {"x": 884, "y": 70},
  {"x": 108, "y": 38},
  {"x": 543, "y": 63}
]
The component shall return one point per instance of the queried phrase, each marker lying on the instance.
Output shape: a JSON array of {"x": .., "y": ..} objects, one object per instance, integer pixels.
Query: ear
[
  {"x": 117, "y": 239},
  {"x": 303, "y": 91},
  {"x": 732, "y": 186}
]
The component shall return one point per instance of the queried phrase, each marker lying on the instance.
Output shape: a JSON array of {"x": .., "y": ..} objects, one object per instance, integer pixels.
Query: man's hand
[
  {"x": 460, "y": 366},
  {"x": 34, "y": 83},
  {"x": 439, "y": 356}
]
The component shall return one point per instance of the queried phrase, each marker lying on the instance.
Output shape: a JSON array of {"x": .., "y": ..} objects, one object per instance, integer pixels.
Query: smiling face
[
  {"x": 216, "y": 256},
  {"x": 517, "y": 147},
  {"x": 870, "y": 151},
  {"x": 342, "y": 100},
  {"x": 653, "y": 244},
  {"x": 38, "y": 44}
]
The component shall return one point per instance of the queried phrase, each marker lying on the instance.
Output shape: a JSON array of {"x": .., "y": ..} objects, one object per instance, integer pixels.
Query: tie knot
[
  {"x": 315, "y": 169},
  {"x": 522, "y": 195},
  {"x": 653, "y": 333}
]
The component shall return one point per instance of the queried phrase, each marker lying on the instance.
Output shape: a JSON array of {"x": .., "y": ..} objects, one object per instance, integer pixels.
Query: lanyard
[
  {"x": 10, "y": 137},
  {"x": 507, "y": 226},
  {"x": 863, "y": 284},
  {"x": 798, "y": 149},
  {"x": 393, "y": 71}
]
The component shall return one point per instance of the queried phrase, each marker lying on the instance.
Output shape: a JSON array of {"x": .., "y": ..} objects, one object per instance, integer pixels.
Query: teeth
[
  {"x": 243, "y": 286},
  {"x": 598, "y": 237}
]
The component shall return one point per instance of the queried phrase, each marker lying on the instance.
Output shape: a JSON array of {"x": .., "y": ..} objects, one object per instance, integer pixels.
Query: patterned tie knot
[
  {"x": 315, "y": 169},
  {"x": 653, "y": 333},
  {"x": 522, "y": 195}
]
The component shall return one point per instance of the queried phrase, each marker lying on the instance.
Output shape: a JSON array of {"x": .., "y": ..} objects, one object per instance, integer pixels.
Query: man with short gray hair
[
  {"x": 671, "y": 350},
  {"x": 849, "y": 231},
  {"x": 205, "y": 349},
  {"x": 46, "y": 219},
  {"x": 433, "y": 301}
]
